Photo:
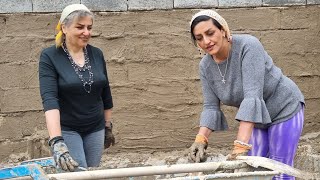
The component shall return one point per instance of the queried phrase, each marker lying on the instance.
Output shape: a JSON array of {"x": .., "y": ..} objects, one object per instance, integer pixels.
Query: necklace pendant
[
  {"x": 87, "y": 88},
  {"x": 223, "y": 80}
]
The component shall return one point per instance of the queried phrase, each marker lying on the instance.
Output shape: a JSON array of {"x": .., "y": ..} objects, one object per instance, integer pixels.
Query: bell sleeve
[
  {"x": 211, "y": 117},
  {"x": 253, "y": 107}
]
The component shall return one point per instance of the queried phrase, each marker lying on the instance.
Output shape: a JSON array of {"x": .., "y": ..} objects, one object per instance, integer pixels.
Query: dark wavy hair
[{"x": 199, "y": 19}]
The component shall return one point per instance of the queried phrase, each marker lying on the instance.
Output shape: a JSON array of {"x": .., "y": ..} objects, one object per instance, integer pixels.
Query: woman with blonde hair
[{"x": 75, "y": 93}]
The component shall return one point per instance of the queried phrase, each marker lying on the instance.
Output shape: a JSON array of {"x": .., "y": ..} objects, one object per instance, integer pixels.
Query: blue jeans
[{"x": 85, "y": 149}]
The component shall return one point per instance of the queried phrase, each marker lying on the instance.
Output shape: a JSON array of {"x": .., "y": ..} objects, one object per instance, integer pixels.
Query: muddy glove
[
  {"x": 61, "y": 154},
  {"x": 108, "y": 137},
  {"x": 197, "y": 150},
  {"x": 239, "y": 149}
]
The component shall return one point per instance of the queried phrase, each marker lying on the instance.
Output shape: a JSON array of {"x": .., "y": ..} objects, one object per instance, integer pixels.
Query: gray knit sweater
[{"x": 253, "y": 84}]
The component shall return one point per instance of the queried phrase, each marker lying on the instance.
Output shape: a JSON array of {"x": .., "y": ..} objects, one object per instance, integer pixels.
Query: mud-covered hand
[
  {"x": 61, "y": 154},
  {"x": 239, "y": 149},
  {"x": 108, "y": 137},
  {"x": 198, "y": 148}
]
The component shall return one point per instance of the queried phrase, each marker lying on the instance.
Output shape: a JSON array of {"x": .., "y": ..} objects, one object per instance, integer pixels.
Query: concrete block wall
[
  {"x": 152, "y": 66},
  {"x": 17, "y": 6}
]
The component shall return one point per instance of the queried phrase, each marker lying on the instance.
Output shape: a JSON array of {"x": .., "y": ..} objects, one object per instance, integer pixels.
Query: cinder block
[
  {"x": 3, "y": 20},
  {"x": 16, "y": 126},
  {"x": 300, "y": 17},
  {"x": 195, "y": 3},
  {"x": 240, "y": 3},
  {"x": 166, "y": 93},
  {"x": 25, "y": 75},
  {"x": 17, "y": 149},
  {"x": 21, "y": 99},
  {"x": 312, "y": 115},
  {"x": 283, "y": 2},
  {"x": 309, "y": 86},
  {"x": 149, "y": 4},
  {"x": 292, "y": 65},
  {"x": 34, "y": 26},
  {"x": 117, "y": 73},
  {"x": 251, "y": 19},
  {"x": 1, "y": 100},
  {"x": 175, "y": 69},
  {"x": 10, "y": 55},
  {"x": 283, "y": 42},
  {"x": 133, "y": 23},
  {"x": 15, "y": 6},
  {"x": 38, "y": 147},
  {"x": 52, "y": 6},
  {"x": 313, "y": 1},
  {"x": 103, "y": 5}
]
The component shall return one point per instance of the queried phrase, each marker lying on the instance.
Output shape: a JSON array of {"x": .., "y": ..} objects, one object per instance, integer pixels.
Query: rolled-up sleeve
[
  {"x": 48, "y": 83},
  {"x": 211, "y": 117},
  {"x": 253, "y": 107}
]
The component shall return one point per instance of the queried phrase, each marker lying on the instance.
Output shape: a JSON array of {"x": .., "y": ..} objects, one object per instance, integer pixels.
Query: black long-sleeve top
[{"x": 61, "y": 89}]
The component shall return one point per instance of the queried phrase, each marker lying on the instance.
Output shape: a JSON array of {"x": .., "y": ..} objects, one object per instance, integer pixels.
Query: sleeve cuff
[
  {"x": 254, "y": 110},
  {"x": 214, "y": 120},
  {"x": 50, "y": 104},
  {"x": 108, "y": 103}
]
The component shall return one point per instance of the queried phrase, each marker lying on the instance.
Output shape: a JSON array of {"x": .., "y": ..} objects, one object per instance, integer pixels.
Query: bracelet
[
  {"x": 242, "y": 143},
  {"x": 53, "y": 140}
]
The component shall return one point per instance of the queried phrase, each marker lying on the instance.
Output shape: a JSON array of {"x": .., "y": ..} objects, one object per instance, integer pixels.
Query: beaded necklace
[{"x": 79, "y": 70}]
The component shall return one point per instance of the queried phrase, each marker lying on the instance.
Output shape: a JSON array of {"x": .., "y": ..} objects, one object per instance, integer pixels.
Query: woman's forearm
[
  {"x": 53, "y": 122},
  {"x": 107, "y": 116},
  {"x": 205, "y": 131},
  {"x": 245, "y": 131}
]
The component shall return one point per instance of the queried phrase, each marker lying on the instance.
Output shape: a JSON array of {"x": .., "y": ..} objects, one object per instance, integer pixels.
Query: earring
[
  {"x": 229, "y": 38},
  {"x": 201, "y": 52}
]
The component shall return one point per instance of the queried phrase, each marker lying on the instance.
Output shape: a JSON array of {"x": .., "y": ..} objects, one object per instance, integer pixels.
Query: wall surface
[
  {"x": 152, "y": 67},
  {"x": 18, "y": 6}
]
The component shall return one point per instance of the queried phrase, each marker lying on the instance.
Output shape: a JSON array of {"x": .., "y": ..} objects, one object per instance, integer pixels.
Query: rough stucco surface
[{"x": 153, "y": 71}]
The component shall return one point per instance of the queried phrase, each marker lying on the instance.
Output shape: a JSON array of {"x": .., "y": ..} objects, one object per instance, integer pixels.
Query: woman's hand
[
  {"x": 197, "y": 150},
  {"x": 239, "y": 149},
  {"x": 109, "y": 137},
  {"x": 241, "y": 146},
  {"x": 61, "y": 154}
]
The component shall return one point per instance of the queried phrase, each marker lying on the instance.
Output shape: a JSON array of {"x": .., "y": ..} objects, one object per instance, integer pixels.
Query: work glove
[
  {"x": 197, "y": 150},
  {"x": 108, "y": 137},
  {"x": 239, "y": 149},
  {"x": 61, "y": 154}
]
